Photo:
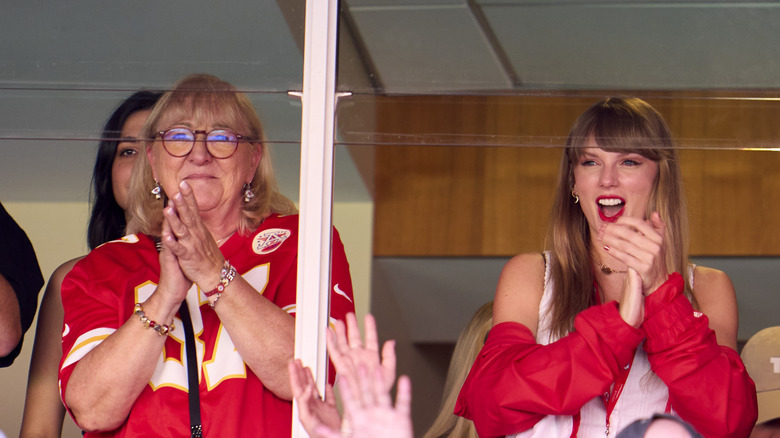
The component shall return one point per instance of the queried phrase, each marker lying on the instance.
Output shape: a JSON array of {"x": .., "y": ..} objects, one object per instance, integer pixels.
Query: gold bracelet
[{"x": 161, "y": 329}]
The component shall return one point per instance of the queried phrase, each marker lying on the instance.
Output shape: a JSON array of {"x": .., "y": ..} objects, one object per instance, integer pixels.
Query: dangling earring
[
  {"x": 157, "y": 190},
  {"x": 248, "y": 195},
  {"x": 575, "y": 196}
]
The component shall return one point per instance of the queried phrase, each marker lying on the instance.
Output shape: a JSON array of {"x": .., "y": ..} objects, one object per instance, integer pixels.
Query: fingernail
[{"x": 606, "y": 248}]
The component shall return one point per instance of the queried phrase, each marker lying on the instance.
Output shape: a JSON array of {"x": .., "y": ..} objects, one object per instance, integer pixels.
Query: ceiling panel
[
  {"x": 147, "y": 43},
  {"x": 428, "y": 49},
  {"x": 423, "y": 4},
  {"x": 639, "y": 45}
]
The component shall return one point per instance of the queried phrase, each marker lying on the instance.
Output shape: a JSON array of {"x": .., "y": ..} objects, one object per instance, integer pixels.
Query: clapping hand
[{"x": 639, "y": 244}]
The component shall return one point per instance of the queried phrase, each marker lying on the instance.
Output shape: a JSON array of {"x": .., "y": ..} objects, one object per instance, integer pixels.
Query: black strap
[{"x": 196, "y": 428}]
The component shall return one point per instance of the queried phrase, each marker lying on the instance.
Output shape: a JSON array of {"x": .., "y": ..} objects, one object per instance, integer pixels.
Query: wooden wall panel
[
  {"x": 476, "y": 200},
  {"x": 734, "y": 202},
  {"x": 461, "y": 201}
]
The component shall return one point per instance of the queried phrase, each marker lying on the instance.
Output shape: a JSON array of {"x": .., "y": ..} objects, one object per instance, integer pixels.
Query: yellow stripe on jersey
[{"x": 85, "y": 343}]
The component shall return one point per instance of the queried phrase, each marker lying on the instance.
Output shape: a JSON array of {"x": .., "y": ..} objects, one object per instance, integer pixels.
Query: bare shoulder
[
  {"x": 715, "y": 295},
  {"x": 711, "y": 278},
  {"x": 519, "y": 291},
  {"x": 62, "y": 270}
]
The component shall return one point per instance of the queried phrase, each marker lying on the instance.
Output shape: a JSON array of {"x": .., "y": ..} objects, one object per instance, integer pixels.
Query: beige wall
[
  {"x": 58, "y": 233},
  {"x": 355, "y": 223}
]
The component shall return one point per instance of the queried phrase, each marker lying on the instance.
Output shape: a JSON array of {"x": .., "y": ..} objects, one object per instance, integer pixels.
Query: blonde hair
[
  {"x": 470, "y": 342},
  {"x": 194, "y": 96},
  {"x": 620, "y": 125}
]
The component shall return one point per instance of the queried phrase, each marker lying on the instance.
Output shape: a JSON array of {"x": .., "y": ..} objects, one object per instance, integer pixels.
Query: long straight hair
[
  {"x": 617, "y": 125},
  {"x": 107, "y": 218}
]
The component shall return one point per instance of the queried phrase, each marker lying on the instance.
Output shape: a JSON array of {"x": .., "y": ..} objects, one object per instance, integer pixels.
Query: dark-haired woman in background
[{"x": 117, "y": 151}]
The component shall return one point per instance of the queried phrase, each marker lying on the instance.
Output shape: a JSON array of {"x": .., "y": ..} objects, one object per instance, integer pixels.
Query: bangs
[
  {"x": 206, "y": 98},
  {"x": 222, "y": 107},
  {"x": 624, "y": 126}
]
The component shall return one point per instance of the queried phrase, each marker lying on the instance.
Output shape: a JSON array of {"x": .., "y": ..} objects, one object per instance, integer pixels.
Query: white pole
[{"x": 315, "y": 223}]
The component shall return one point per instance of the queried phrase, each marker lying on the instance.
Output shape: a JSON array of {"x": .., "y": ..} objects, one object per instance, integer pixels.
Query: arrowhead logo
[{"x": 270, "y": 240}]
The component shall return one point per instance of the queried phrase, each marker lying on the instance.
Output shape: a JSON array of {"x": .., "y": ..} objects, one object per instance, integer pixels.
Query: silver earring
[
  {"x": 157, "y": 190},
  {"x": 575, "y": 196},
  {"x": 248, "y": 195}
]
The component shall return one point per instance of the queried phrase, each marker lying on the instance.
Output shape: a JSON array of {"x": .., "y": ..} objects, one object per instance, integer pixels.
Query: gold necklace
[
  {"x": 607, "y": 270},
  {"x": 224, "y": 239}
]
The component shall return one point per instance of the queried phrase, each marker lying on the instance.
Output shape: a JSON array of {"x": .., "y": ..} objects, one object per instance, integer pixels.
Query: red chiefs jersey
[{"x": 98, "y": 297}]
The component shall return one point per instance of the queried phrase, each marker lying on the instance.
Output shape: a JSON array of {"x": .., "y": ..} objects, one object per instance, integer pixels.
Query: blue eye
[
  {"x": 179, "y": 134},
  {"x": 221, "y": 136}
]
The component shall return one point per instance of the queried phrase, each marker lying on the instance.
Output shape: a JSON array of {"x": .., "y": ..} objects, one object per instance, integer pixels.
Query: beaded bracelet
[
  {"x": 213, "y": 304},
  {"x": 227, "y": 275},
  {"x": 161, "y": 329}
]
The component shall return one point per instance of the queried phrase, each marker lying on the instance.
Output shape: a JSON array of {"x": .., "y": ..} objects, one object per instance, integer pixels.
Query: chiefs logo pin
[{"x": 269, "y": 240}]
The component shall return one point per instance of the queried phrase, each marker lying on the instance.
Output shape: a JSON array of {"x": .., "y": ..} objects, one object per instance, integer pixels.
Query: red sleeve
[
  {"x": 342, "y": 300},
  {"x": 92, "y": 312},
  {"x": 515, "y": 382},
  {"x": 708, "y": 384}
]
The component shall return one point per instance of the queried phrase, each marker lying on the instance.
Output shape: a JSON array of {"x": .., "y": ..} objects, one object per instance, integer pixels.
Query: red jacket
[{"x": 515, "y": 382}]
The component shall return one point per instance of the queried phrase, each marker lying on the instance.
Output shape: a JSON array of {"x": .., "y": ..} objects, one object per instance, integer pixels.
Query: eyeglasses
[{"x": 220, "y": 143}]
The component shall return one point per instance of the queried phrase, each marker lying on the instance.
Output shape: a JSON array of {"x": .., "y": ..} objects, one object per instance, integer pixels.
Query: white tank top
[{"x": 643, "y": 395}]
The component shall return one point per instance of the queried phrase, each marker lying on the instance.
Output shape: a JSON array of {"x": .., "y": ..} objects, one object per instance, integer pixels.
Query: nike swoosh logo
[{"x": 338, "y": 290}]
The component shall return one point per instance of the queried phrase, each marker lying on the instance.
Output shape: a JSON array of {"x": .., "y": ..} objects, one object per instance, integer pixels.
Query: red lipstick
[{"x": 612, "y": 205}]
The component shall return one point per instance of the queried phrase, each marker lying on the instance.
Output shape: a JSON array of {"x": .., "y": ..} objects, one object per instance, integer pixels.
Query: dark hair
[{"x": 107, "y": 220}]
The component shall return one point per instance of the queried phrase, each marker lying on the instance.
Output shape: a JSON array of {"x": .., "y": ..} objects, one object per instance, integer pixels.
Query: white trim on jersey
[{"x": 85, "y": 343}]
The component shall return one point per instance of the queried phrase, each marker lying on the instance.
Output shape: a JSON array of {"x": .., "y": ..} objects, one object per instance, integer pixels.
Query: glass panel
[
  {"x": 65, "y": 67},
  {"x": 461, "y": 108}
]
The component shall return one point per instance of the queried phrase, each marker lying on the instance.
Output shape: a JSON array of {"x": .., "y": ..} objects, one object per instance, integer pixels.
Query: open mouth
[{"x": 610, "y": 208}]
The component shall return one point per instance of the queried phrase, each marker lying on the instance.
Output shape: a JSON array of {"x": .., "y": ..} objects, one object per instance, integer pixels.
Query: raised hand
[
  {"x": 312, "y": 409},
  {"x": 364, "y": 382},
  {"x": 348, "y": 353},
  {"x": 371, "y": 409}
]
